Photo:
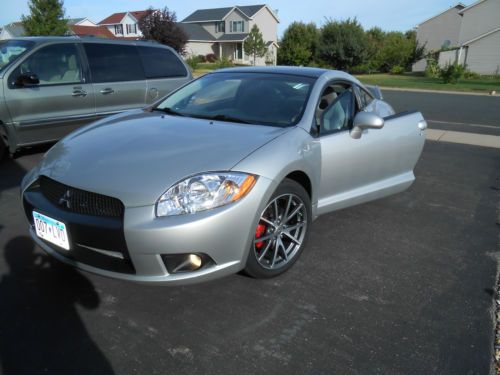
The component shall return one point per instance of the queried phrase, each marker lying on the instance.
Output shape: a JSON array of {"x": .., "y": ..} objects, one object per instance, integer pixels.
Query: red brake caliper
[{"x": 261, "y": 229}]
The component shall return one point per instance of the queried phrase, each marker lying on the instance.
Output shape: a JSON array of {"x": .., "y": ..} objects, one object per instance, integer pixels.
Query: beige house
[
  {"x": 472, "y": 33},
  {"x": 222, "y": 32},
  {"x": 124, "y": 24}
]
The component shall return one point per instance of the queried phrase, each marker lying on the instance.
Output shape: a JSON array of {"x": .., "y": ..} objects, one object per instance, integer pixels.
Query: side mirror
[
  {"x": 27, "y": 79},
  {"x": 365, "y": 120}
]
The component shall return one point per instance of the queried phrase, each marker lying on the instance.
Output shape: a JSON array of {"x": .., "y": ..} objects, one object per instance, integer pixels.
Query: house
[
  {"x": 480, "y": 37},
  {"x": 470, "y": 35},
  {"x": 222, "y": 32},
  {"x": 12, "y": 30},
  {"x": 81, "y": 27},
  {"x": 125, "y": 24},
  {"x": 439, "y": 31}
]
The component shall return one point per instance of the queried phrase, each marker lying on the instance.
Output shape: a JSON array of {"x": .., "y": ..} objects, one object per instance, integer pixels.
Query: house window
[
  {"x": 220, "y": 27},
  {"x": 236, "y": 26},
  {"x": 131, "y": 28},
  {"x": 119, "y": 29}
]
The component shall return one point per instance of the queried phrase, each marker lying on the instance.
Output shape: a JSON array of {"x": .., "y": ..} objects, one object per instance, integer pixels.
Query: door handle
[
  {"x": 107, "y": 91},
  {"x": 79, "y": 92}
]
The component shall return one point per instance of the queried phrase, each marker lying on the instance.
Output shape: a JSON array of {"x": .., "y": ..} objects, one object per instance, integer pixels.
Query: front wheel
[{"x": 281, "y": 233}]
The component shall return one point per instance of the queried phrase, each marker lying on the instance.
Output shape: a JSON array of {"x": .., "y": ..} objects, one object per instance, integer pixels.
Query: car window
[
  {"x": 364, "y": 97},
  {"x": 114, "y": 62},
  {"x": 161, "y": 63},
  {"x": 11, "y": 50},
  {"x": 338, "y": 116},
  {"x": 54, "y": 64},
  {"x": 255, "y": 98}
]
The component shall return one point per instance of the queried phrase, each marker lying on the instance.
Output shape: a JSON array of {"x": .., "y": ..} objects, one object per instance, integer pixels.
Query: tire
[{"x": 280, "y": 239}]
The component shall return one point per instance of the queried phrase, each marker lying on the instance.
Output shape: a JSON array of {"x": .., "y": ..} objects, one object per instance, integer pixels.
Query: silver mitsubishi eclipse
[{"x": 225, "y": 174}]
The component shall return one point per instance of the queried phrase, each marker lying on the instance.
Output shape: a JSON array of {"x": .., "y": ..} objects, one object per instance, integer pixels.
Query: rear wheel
[{"x": 281, "y": 233}]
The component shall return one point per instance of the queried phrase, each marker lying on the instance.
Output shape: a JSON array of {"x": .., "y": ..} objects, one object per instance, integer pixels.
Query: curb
[{"x": 473, "y": 139}]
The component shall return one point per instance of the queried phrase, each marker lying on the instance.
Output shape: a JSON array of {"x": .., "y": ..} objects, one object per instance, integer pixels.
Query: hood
[{"x": 136, "y": 157}]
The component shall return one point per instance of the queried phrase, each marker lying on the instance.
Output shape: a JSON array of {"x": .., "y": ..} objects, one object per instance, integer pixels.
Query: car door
[
  {"x": 164, "y": 71},
  {"x": 379, "y": 163},
  {"x": 117, "y": 77},
  {"x": 62, "y": 100}
]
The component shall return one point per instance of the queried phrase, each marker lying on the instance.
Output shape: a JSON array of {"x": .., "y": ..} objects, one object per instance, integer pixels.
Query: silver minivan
[{"x": 49, "y": 86}]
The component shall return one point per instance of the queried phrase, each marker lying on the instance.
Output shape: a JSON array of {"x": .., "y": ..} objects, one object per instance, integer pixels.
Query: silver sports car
[{"x": 225, "y": 174}]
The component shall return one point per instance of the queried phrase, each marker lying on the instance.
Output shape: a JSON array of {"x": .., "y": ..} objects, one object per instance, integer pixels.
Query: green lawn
[{"x": 483, "y": 84}]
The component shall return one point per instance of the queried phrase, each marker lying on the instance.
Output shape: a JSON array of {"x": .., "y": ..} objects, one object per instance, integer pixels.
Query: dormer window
[
  {"x": 131, "y": 28},
  {"x": 236, "y": 26},
  {"x": 220, "y": 27},
  {"x": 119, "y": 29}
]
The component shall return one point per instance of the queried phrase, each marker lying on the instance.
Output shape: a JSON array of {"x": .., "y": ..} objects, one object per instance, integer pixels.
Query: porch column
[{"x": 220, "y": 51}]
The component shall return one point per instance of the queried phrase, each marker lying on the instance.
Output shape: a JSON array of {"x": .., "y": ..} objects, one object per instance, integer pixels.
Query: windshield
[
  {"x": 252, "y": 98},
  {"x": 11, "y": 50}
]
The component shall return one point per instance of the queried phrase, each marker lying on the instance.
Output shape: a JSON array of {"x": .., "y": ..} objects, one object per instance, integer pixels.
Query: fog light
[{"x": 177, "y": 263}]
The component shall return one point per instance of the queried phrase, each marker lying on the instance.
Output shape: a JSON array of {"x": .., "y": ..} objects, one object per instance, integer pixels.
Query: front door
[
  {"x": 62, "y": 101},
  {"x": 353, "y": 171},
  {"x": 238, "y": 52}
]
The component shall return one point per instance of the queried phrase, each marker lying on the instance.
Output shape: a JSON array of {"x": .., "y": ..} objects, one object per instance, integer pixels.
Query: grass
[{"x": 413, "y": 81}]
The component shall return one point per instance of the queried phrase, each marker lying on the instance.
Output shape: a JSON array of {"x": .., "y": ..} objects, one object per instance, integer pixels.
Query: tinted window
[
  {"x": 254, "y": 98},
  {"x": 161, "y": 62},
  {"x": 364, "y": 97},
  {"x": 113, "y": 63},
  {"x": 54, "y": 64},
  {"x": 11, "y": 50}
]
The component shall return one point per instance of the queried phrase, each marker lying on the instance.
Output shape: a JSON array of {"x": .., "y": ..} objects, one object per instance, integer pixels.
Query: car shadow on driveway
[{"x": 40, "y": 327}]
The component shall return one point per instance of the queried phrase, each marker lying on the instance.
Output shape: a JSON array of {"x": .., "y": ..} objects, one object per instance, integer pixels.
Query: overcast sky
[{"x": 388, "y": 14}]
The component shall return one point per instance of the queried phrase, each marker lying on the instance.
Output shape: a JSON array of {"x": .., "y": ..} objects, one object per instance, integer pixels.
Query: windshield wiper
[
  {"x": 222, "y": 117},
  {"x": 168, "y": 110}
]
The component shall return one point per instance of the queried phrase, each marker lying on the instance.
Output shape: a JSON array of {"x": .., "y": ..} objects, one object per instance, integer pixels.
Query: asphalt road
[
  {"x": 466, "y": 113},
  {"x": 403, "y": 285}
]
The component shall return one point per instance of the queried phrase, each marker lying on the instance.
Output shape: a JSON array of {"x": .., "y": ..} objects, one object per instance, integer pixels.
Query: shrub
[
  {"x": 471, "y": 75},
  {"x": 223, "y": 62},
  {"x": 211, "y": 58},
  {"x": 397, "y": 69},
  {"x": 193, "y": 62},
  {"x": 432, "y": 68},
  {"x": 451, "y": 73},
  {"x": 202, "y": 59}
]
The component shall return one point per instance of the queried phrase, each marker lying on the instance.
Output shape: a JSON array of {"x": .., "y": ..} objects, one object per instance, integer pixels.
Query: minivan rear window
[
  {"x": 11, "y": 50},
  {"x": 161, "y": 63},
  {"x": 114, "y": 62}
]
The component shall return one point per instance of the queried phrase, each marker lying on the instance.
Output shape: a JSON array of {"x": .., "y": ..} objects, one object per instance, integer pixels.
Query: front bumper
[{"x": 136, "y": 241}]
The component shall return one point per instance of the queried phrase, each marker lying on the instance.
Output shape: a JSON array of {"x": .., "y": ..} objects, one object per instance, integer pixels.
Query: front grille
[{"x": 80, "y": 201}]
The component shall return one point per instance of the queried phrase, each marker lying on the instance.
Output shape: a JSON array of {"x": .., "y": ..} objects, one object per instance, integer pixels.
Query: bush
[
  {"x": 397, "y": 69},
  {"x": 193, "y": 62},
  {"x": 211, "y": 58},
  {"x": 202, "y": 59},
  {"x": 223, "y": 62},
  {"x": 451, "y": 73},
  {"x": 432, "y": 69},
  {"x": 471, "y": 75}
]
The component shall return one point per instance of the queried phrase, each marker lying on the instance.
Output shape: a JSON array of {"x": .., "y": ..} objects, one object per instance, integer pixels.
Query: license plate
[{"x": 51, "y": 230}]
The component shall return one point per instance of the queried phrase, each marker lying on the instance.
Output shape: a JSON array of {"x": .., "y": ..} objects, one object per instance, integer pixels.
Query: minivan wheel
[{"x": 281, "y": 233}]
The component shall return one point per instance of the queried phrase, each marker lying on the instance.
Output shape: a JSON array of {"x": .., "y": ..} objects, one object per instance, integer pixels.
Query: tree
[
  {"x": 161, "y": 25},
  {"x": 298, "y": 45},
  {"x": 46, "y": 18},
  {"x": 342, "y": 44},
  {"x": 254, "y": 44}
]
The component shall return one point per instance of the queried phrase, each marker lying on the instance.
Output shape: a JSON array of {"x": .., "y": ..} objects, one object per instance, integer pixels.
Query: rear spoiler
[{"x": 376, "y": 92}]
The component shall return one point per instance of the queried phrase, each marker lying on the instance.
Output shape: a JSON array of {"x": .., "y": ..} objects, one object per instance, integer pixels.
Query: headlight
[{"x": 203, "y": 192}]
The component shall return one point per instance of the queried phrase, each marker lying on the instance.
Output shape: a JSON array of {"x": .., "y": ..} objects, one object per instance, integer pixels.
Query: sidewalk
[
  {"x": 388, "y": 88},
  {"x": 473, "y": 139}
]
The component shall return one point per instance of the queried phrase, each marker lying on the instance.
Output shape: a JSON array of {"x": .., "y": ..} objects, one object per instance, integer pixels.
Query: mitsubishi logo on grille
[{"x": 65, "y": 200}]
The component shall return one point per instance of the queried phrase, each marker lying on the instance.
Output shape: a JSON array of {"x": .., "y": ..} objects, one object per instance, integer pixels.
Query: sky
[{"x": 399, "y": 15}]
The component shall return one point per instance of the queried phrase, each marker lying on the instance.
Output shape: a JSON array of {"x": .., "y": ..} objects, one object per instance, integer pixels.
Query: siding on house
[
  {"x": 443, "y": 29},
  {"x": 200, "y": 48},
  {"x": 479, "y": 18},
  {"x": 483, "y": 55}
]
